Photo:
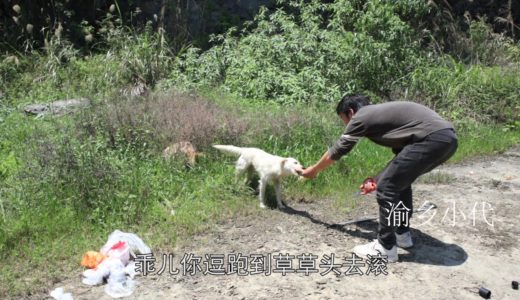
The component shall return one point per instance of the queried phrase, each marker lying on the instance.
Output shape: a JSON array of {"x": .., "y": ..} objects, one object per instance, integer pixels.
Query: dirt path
[{"x": 456, "y": 250}]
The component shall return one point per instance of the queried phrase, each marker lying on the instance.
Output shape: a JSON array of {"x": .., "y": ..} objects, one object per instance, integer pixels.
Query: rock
[
  {"x": 37, "y": 109},
  {"x": 58, "y": 108}
]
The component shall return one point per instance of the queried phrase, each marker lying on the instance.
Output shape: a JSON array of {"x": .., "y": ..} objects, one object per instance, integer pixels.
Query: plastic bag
[
  {"x": 97, "y": 275},
  {"x": 121, "y": 251},
  {"x": 118, "y": 285},
  {"x": 120, "y": 289},
  {"x": 59, "y": 294},
  {"x": 130, "y": 269},
  {"x": 368, "y": 186},
  {"x": 115, "y": 267},
  {"x": 136, "y": 245}
]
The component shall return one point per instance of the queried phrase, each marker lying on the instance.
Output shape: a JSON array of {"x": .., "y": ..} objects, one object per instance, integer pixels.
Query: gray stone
[
  {"x": 57, "y": 108},
  {"x": 36, "y": 109}
]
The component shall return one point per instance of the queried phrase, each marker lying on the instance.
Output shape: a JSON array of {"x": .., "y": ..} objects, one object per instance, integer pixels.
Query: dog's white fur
[{"x": 270, "y": 168}]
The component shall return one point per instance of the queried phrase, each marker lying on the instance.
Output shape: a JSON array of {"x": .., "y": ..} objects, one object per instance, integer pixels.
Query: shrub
[
  {"x": 153, "y": 122},
  {"x": 309, "y": 51}
]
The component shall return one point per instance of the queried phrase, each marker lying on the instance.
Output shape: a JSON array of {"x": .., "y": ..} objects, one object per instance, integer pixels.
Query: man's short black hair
[{"x": 354, "y": 102}]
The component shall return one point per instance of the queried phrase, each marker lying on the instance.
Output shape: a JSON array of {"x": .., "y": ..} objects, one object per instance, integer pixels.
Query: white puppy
[{"x": 270, "y": 168}]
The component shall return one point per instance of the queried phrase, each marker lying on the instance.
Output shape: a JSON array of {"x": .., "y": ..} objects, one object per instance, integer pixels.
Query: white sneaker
[
  {"x": 374, "y": 248},
  {"x": 404, "y": 240}
]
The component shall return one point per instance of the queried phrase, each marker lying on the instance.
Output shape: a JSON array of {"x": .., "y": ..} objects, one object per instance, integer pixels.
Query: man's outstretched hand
[{"x": 310, "y": 173}]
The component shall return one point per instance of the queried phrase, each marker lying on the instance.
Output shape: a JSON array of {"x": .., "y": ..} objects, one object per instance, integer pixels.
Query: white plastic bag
[
  {"x": 97, "y": 275},
  {"x": 118, "y": 284},
  {"x": 117, "y": 265},
  {"x": 130, "y": 269},
  {"x": 59, "y": 294},
  {"x": 121, "y": 251},
  {"x": 136, "y": 244},
  {"x": 120, "y": 289}
]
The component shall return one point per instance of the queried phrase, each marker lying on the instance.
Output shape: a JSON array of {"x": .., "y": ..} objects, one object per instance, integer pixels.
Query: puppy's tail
[{"x": 229, "y": 149}]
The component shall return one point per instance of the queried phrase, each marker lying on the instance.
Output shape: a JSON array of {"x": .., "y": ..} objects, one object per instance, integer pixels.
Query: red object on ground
[{"x": 368, "y": 186}]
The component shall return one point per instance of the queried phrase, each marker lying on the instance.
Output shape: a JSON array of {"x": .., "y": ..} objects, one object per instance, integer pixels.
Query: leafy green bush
[{"x": 312, "y": 51}]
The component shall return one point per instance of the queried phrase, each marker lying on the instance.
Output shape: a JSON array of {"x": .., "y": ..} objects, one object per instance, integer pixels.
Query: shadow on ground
[{"x": 427, "y": 249}]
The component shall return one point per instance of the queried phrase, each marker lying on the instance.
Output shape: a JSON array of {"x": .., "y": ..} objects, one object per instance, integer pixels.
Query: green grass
[{"x": 485, "y": 139}]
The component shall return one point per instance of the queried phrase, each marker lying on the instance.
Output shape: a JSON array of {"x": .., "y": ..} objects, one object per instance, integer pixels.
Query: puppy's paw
[{"x": 262, "y": 205}]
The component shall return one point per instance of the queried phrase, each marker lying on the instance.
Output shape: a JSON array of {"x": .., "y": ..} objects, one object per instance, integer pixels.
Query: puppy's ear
[{"x": 283, "y": 161}]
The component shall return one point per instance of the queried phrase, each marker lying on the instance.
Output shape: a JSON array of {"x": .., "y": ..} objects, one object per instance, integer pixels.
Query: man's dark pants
[{"x": 394, "y": 191}]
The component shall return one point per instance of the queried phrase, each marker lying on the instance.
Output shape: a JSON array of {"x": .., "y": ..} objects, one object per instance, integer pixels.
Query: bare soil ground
[{"x": 470, "y": 240}]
